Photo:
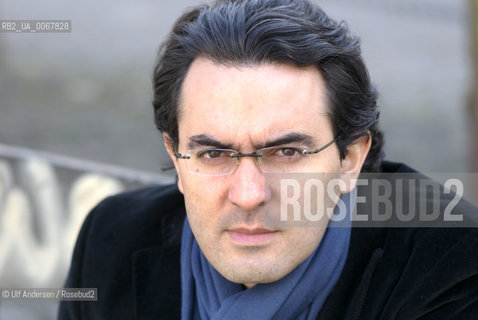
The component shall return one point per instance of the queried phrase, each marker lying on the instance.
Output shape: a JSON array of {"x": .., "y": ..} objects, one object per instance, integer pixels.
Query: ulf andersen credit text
[{"x": 58, "y": 294}]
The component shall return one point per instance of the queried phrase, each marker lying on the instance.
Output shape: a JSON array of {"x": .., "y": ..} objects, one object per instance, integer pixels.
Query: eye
[
  {"x": 211, "y": 154},
  {"x": 283, "y": 154},
  {"x": 288, "y": 152}
]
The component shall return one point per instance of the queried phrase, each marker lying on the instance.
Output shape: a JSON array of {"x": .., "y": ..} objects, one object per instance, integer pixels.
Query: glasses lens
[
  {"x": 211, "y": 162},
  {"x": 283, "y": 159}
]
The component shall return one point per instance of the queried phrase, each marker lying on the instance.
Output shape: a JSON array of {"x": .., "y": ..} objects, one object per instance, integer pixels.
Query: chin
[
  {"x": 250, "y": 280},
  {"x": 254, "y": 274}
]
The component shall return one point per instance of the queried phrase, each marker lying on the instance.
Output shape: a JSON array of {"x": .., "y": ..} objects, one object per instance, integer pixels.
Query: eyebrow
[
  {"x": 288, "y": 138},
  {"x": 205, "y": 140}
]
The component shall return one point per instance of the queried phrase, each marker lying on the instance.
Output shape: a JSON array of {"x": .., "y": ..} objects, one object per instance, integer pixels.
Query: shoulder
[
  {"x": 408, "y": 273},
  {"x": 439, "y": 255},
  {"x": 141, "y": 201},
  {"x": 431, "y": 271},
  {"x": 125, "y": 223},
  {"x": 113, "y": 232},
  {"x": 394, "y": 271},
  {"x": 137, "y": 216}
]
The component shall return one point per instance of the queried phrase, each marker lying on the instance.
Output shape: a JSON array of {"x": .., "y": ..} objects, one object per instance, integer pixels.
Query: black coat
[{"x": 129, "y": 248}]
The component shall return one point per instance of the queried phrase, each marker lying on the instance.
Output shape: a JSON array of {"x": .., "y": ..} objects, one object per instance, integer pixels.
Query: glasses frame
[{"x": 237, "y": 154}]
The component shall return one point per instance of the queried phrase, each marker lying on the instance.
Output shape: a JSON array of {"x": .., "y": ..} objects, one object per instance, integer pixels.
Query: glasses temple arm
[
  {"x": 321, "y": 148},
  {"x": 180, "y": 156},
  {"x": 353, "y": 137}
]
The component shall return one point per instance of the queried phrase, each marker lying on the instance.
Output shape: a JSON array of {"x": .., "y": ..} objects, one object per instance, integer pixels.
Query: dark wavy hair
[{"x": 251, "y": 32}]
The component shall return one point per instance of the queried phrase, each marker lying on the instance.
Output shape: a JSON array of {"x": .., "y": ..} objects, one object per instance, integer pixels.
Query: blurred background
[{"x": 87, "y": 94}]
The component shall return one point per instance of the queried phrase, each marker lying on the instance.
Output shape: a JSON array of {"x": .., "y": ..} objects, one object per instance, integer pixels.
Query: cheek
[
  {"x": 203, "y": 191},
  {"x": 305, "y": 240},
  {"x": 200, "y": 214},
  {"x": 204, "y": 200},
  {"x": 332, "y": 159}
]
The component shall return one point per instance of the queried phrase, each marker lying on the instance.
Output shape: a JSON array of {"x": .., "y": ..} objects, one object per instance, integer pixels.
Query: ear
[
  {"x": 352, "y": 164},
  {"x": 168, "y": 143}
]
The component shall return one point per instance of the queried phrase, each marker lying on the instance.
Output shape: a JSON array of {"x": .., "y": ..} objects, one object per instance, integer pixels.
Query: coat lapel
[{"x": 157, "y": 283}]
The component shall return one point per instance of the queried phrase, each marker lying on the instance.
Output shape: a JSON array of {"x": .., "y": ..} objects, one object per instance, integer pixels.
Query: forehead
[{"x": 247, "y": 104}]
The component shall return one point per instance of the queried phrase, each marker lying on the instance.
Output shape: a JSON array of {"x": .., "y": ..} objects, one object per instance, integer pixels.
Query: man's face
[{"x": 245, "y": 108}]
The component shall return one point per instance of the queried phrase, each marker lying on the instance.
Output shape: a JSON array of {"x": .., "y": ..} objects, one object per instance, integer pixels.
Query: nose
[{"x": 247, "y": 186}]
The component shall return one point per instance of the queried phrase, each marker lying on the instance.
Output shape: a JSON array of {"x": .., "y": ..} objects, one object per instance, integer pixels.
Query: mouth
[{"x": 251, "y": 236}]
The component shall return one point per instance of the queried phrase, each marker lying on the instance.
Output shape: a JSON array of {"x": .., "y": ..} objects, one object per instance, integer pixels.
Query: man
[{"x": 246, "y": 92}]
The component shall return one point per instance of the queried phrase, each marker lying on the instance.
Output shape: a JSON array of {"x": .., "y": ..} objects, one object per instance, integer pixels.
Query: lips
[{"x": 251, "y": 236}]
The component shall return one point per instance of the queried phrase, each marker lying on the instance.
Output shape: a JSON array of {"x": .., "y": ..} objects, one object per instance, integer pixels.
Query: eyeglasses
[{"x": 220, "y": 162}]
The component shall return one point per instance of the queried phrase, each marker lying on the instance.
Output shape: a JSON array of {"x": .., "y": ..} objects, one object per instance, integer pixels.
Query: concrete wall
[{"x": 43, "y": 202}]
